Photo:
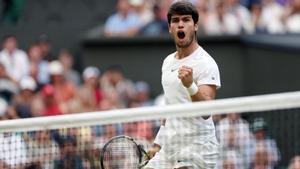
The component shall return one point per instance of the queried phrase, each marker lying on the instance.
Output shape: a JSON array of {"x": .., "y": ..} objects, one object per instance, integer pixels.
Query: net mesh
[{"x": 257, "y": 131}]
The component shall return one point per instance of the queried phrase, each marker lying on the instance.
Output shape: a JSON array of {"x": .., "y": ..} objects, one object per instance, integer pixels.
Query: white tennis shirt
[{"x": 205, "y": 71}]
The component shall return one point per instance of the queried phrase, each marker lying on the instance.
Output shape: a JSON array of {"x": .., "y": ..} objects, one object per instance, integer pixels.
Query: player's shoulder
[
  {"x": 169, "y": 58},
  {"x": 203, "y": 57}
]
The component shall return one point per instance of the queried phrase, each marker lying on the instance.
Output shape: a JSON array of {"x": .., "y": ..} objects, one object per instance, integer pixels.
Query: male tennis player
[{"x": 188, "y": 75}]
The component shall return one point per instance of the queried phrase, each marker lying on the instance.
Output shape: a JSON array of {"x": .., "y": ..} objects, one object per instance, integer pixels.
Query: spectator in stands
[
  {"x": 265, "y": 144},
  {"x": 271, "y": 9},
  {"x": 142, "y": 95},
  {"x": 124, "y": 22},
  {"x": 117, "y": 87},
  {"x": 8, "y": 87},
  {"x": 42, "y": 150},
  {"x": 292, "y": 20},
  {"x": 38, "y": 67},
  {"x": 51, "y": 105},
  {"x": 261, "y": 158},
  {"x": 67, "y": 60},
  {"x": 143, "y": 10},
  {"x": 230, "y": 159},
  {"x": 234, "y": 134},
  {"x": 15, "y": 60},
  {"x": 295, "y": 163},
  {"x": 236, "y": 18},
  {"x": 23, "y": 101},
  {"x": 65, "y": 91},
  {"x": 69, "y": 157},
  {"x": 90, "y": 94},
  {"x": 158, "y": 25},
  {"x": 12, "y": 155},
  {"x": 45, "y": 45}
]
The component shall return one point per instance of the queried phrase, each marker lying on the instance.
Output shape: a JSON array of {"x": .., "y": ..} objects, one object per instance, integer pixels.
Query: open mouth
[{"x": 180, "y": 34}]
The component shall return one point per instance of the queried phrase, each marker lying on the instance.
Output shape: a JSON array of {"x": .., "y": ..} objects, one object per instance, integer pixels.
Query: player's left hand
[{"x": 185, "y": 74}]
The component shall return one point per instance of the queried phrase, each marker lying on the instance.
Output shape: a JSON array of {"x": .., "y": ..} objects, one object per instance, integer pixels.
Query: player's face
[{"x": 182, "y": 28}]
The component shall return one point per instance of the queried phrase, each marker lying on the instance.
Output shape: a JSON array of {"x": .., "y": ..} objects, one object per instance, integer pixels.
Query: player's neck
[{"x": 184, "y": 52}]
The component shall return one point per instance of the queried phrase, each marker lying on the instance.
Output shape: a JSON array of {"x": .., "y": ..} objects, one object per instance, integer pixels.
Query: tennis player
[{"x": 188, "y": 75}]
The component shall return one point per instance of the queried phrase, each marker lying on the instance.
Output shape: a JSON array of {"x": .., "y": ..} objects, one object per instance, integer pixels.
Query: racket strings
[{"x": 120, "y": 154}]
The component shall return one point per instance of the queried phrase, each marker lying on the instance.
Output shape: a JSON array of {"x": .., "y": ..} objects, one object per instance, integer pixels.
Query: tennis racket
[{"x": 122, "y": 152}]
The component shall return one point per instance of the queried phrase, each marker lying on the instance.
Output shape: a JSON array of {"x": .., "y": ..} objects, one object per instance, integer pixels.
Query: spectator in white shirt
[{"x": 15, "y": 60}]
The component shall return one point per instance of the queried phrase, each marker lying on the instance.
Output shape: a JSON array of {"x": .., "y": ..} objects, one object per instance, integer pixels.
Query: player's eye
[
  {"x": 175, "y": 20},
  {"x": 187, "y": 19}
]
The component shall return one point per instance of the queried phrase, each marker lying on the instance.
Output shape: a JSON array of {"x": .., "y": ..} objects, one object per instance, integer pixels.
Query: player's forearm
[
  {"x": 202, "y": 96},
  {"x": 202, "y": 92}
]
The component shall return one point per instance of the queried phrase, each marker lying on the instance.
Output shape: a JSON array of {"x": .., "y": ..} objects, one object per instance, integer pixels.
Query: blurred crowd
[{"x": 217, "y": 17}]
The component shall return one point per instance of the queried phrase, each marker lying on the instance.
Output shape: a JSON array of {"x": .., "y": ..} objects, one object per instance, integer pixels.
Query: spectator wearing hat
[
  {"x": 64, "y": 91},
  {"x": 264, "y": 144},
  {"x": 23, "y": 101},
  {"x": 90, "y": 94}
]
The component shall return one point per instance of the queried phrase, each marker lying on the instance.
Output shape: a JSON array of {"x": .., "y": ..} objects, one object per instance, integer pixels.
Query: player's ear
[{"x": 196, "y": 27}]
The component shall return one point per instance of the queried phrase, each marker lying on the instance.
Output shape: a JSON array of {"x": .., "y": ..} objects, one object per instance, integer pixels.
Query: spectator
[
  {"x": 261, "y": 158},
  {"x": 234, "y": 134},
  {"x": 143, "y": 93},
  {"x": 123, "y": 23},
  {"x": 8, "y": 87},
  {"x": 236, "y": 18},
  {"x": 117, "y": 87},
  {"x": 295, "y": 163},
  {"x": 23, "y": 101},
  {"x": 158, "y": 25},
  {"x": 90, "y": 94},
  {"x": 67, "y": 60},
  {"x": 15, "y": 60},
  {"x": 51, "y": 105},
  {"x": 269, "y": 145},
  {"x": 271, "y": 9},
  {"x": 69, "y": 157},
  {"x": 65, "y": 91},
  {"x": 141, "y": 8},
  {"x": 42, "y": 150},
  {"x": 12, "y": 155},
  {"x": 38, "y": 67},
  {"x": 45, "y": 45},
  {"x": 293, "y": 17}
]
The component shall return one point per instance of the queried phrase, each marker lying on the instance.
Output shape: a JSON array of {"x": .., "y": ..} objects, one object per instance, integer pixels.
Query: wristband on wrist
[
  {"x": 160, "y": 136},
  {"x": 193, "y": 89}
]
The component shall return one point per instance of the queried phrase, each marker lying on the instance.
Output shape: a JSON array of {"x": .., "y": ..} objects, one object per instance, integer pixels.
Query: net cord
[{"x": 258, "y": 103}]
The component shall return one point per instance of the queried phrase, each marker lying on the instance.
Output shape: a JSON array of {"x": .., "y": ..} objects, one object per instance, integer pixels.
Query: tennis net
[{"x": 255, "y": 131}]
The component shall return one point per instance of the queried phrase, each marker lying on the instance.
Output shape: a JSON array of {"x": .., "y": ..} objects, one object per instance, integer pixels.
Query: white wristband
[
  {"x": 193, "y": 89},
  {"x": 159, "y": 139}
]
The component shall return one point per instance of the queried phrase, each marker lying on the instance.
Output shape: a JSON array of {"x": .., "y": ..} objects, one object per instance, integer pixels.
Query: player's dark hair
[{"x": 183, "y": 8}]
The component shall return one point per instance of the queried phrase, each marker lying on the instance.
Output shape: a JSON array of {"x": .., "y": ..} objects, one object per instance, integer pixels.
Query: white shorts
[{"x": 193, "y": 156}]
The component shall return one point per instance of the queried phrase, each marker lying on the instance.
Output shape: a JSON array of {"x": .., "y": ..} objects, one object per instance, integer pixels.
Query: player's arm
[
  {"x": 158, "y": 140},
  {"x": 197, "y": 93}
]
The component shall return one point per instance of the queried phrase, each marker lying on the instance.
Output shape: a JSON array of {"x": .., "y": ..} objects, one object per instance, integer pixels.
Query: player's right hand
[{"x": 152, "y": 151}]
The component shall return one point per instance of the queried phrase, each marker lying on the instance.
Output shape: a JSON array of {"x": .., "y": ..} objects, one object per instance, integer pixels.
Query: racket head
[{"x": 122, "y": 152}]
